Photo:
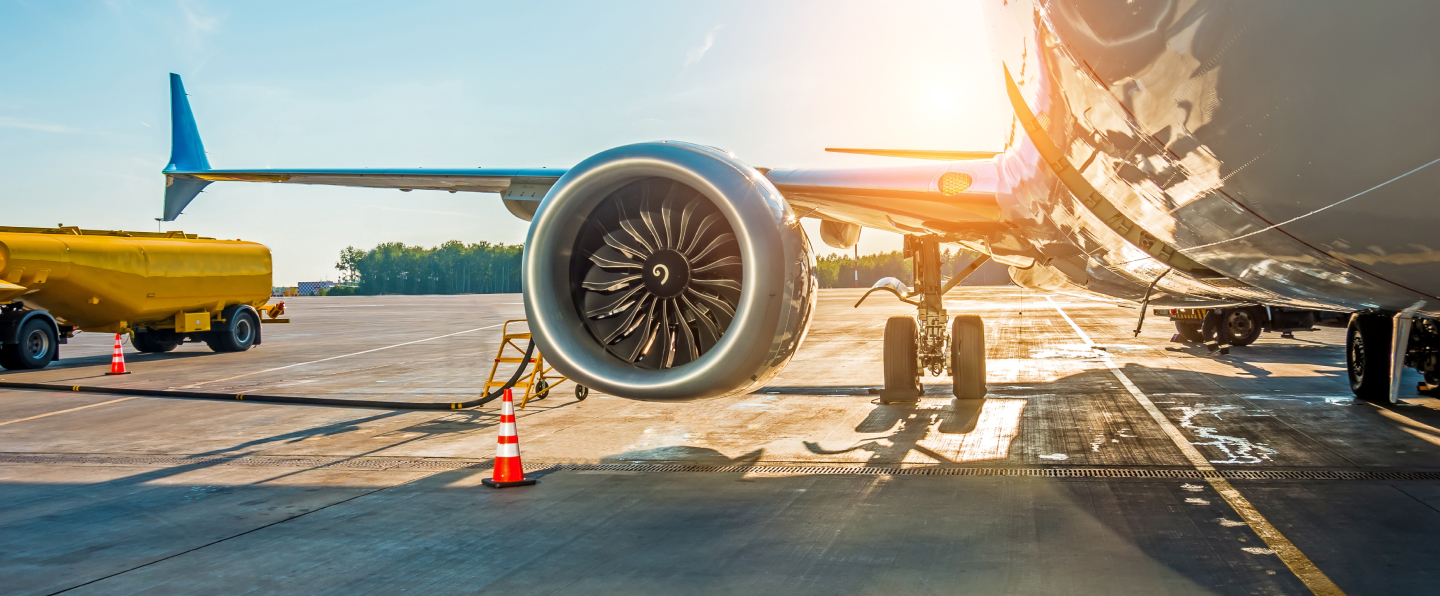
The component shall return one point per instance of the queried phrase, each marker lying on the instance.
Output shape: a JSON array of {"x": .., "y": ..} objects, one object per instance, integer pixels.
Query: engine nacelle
[{"x": 667, "y": 271}]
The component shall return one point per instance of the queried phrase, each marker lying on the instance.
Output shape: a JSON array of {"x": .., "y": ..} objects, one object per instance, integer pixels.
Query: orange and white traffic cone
[
  {"x": 508, "y": 472},
  {"x": 117, "y": 360}
]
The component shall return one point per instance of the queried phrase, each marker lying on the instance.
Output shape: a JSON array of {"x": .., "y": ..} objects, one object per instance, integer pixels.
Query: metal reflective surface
[
  {"x": 777, "y": 287},
  {"x": 1212, "y": 125}
]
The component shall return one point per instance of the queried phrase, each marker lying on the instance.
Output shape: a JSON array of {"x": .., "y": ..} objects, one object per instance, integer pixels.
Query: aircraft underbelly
[{"x": 1209, "y": 123}]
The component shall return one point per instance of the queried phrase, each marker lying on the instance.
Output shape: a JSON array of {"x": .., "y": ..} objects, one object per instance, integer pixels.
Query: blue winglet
[{"x": 187, "y": 154}]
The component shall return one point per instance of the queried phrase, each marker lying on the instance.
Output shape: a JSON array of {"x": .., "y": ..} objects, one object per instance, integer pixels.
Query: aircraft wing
[
  {"x": 520, "y": 188},
  {"x": 946, "y": 198},
  {"x": 941, "y": 198}
]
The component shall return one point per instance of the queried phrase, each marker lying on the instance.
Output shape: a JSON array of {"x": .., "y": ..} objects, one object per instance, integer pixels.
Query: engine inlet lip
[{"x": 751, "y": 206}]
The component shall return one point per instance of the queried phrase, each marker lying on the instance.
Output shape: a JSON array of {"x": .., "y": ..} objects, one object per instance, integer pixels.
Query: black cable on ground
[{"x": 287, "y": 399}]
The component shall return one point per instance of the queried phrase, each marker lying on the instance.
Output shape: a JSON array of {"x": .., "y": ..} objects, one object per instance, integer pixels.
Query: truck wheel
[
  {"x": 37, "y": 347},
  {"x": 154, "y": 342},
  {"x": 1243, "y": 325},
  {"x": 237, "y": 335},
  {"x": 967, "y": 357},
  {"x": 902, "y": 377},
  {"x": 1367, "y": 357},
  {"x": 1189, "y": 331}
]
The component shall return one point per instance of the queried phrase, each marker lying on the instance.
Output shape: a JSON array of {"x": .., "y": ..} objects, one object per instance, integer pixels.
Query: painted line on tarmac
[
  {"x": 103, "y": 403},
  {"x": 340, "y": 356},
  {"x": 1298, "y": 563}
]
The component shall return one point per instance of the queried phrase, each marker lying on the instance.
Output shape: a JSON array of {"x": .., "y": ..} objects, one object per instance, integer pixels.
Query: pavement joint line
[
  {"x": 103, "y": 403},
  {"x": 192, "y": 386},
  {"x": 1299, "y": 564},
  {"x": 383, "y": 463}
]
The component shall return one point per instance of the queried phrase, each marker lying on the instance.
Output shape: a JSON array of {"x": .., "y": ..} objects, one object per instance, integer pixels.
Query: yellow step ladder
[{"x": 536, "y": 383}]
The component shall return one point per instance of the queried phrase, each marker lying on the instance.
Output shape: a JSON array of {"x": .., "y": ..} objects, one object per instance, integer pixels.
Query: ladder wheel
[
  {"x": 581, "y": 392},
  {"x": 542, "y": 389}
]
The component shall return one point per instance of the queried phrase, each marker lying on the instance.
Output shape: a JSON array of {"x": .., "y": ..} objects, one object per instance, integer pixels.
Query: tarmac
[{"x": 1101, "y": 463}]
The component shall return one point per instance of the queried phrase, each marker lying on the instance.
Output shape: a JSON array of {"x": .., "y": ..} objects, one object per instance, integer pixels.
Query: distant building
[
  {"x": 313, "y": 288},
  {"x": 279, "y": 291}
]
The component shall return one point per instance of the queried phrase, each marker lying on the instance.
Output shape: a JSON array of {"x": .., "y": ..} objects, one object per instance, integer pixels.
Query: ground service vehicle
[{"x": 161, "y": 288}]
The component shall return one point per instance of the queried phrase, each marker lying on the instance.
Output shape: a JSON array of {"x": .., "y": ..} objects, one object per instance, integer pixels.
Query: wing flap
[{"x": 937, "y": 198}]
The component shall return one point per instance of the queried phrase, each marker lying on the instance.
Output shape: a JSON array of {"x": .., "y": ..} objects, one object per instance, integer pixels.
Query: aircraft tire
[
  {"x": 1189, "y": 331},
  {"x": 902, "y": 375},
  {"x": 967, "y": 357},
  {"x": 1367, "y": 357}
]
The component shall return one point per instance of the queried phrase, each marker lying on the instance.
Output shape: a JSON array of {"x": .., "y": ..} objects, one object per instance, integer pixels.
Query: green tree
[{"x": 451, "y": 268}]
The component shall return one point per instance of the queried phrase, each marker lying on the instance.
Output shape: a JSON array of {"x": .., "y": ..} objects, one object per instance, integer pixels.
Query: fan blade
[
  {"x": 691, "y": 350},
  {"x": 704, "y": 318},
  {"x": 649, "y": 219},
  {"x": 715, "y": 301},
  {"x": 725, "y": 262},
  {"x": 667, "y": 212},
  {"x": 700, "y": 230},
  {"x": 643, "y": 345},
  {"x": 719, "y": 241},
  {"x": 685, "y": 214},
  {"x": 614, "y": 305},
  {"x": 607, "y": 286},
  {"x": 629, "y": 326},
  {"x": 667, "y": 338},
  {"x": 609, "y": 264},
  {"x": 630, "y": 229},
  {"x": 724, "y": 283},
  {"x": 616, "y": 243}
]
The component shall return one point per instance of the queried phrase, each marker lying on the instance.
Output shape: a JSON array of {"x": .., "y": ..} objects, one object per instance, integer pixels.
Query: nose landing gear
[{"x": 926, "y": 343}]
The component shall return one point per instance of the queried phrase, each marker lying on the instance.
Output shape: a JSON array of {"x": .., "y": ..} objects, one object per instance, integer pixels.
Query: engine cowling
[{"x": 667, "y": 271}]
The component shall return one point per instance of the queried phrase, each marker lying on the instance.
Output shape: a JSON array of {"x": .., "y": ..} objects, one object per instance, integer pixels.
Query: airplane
[{"x": 1248, "y": 165}]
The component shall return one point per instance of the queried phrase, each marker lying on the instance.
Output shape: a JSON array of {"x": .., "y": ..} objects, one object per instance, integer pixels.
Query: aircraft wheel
[
  {"x": 1189, "y": 331},
  {"x": 967, "y": 356},
  {"x": 902, "y": 374},
  {"x": 1243, "y": 325},
  {"x": 1367, "y": 357}
]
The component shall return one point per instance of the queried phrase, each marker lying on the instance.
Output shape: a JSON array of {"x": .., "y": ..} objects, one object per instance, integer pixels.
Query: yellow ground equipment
[
  {"x": 538, "y": 382},
  {"x": 163, "y": 288}
]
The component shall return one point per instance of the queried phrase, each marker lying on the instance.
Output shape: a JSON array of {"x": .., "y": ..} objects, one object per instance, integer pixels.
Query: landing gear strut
[{"x": 931, "y": 342}]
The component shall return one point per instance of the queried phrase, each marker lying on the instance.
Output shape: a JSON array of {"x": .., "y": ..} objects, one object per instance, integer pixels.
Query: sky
[{"x": 84, "y": 110}]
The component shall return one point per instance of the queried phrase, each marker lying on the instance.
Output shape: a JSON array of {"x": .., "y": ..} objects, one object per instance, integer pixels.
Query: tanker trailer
[{"x": 163, "y": 288}]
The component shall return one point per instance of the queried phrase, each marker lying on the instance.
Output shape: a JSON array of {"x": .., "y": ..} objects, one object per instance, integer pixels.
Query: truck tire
[
  {"x": 154, "y": 342},
  {"x": 1243, "y": 325},
  {"x": 902, "y": 375},
  {"x": 237, "y": 334},
  {"x": 967, "y": 357},
  {"x": 38, "y": 346},
  {"x": 1189, "y": 331},
  {"x": 1367, "y": 357}
]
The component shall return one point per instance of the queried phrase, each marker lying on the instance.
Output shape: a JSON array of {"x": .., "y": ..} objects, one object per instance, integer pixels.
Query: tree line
[
  {"x": 451, "y": 268},
  {"x": 838, "y": 271},
  {"x": 484, "y": 268}
]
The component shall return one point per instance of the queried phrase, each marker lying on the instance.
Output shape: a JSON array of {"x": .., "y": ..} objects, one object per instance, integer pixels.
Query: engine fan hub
[{"x": 666, "y": 273}]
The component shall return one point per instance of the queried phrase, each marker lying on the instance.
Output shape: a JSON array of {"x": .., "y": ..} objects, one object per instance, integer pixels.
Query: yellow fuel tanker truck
[{"x": 162, "y": 288}]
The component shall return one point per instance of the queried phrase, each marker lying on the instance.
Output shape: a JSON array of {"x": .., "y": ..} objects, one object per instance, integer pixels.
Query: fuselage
[{"x": 1208, "y": 123}]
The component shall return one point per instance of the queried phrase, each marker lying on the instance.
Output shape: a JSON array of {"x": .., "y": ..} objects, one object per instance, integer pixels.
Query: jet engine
[{"x": 667, "y": 271}]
